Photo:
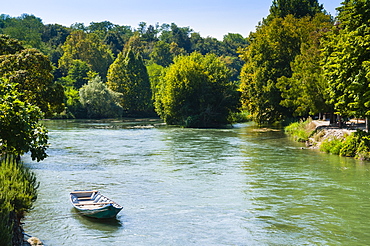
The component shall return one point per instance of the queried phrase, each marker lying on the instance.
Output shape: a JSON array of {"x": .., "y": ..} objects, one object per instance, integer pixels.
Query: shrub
[
  {"x": 349, "y": 146},
  {"x": 355, "y": 145},
  {"x": 18, "y": 191},
  {"x": 301, "y": 131},
  {"x": 331, "y": 145}
]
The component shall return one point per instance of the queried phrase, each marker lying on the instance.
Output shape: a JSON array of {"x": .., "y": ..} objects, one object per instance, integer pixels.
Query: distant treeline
[
  {"x": 300, "y": 61},
  {"x": 81, "y": 53}
]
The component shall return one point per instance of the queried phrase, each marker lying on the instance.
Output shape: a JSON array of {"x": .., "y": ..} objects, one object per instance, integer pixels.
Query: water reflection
[{"x": 108, "y": 226}]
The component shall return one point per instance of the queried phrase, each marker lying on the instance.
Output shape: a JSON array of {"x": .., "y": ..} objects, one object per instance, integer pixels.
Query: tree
[
  {"x": 79, "y": 73},
  {"x": 20, "y": 131},
  {"x": 128, "y": 75},
  {"x": 268, "y": 57},
  {"x": 31, "y": 71},
  {"x": 115, "y": 42},
  {"x": 53, "y": 36},
  {"x": 9, "y": 45},
  {"x": 196, "y": 92},
  {"x": 88, "y": 48},
  {"x": 179, "y": 35},
  {"x": 26, "y": 28},
  {"x": 99, "y": 100},
  {"x": 297, "y": 8},
  {"x": 161, "y": 54},
  {"x": 148, "y": 34},
  {"x": 155, "y": 72},
  {"x": 305, "y": 91},
  {"x": 101, "y": 28},
  {"x": 347, "y": 65}
]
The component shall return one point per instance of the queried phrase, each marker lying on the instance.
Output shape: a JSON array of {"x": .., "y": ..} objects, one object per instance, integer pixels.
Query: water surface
[{"x": 237, "y": 186}]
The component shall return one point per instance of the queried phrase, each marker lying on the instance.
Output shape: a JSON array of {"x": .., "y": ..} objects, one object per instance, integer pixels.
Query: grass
[{"x": 301, "y": 131}]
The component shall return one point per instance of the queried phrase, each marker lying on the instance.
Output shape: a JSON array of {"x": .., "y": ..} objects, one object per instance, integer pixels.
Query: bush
[
  {"x": 301, "y": 131},
  {"x": 349, "y": 146},
  {"x": 99, "y": 100},
  {"x": 239, "y": 117},
  {"x": 18, "y": 191},
  {"x": 355, "y": 145},
  {"x": 332, "y": 145},
  {"x": 363, "y": 151}
]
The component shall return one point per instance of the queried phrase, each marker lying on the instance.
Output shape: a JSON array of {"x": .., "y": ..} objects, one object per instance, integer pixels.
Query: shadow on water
[{"x": 103, "y": 225}]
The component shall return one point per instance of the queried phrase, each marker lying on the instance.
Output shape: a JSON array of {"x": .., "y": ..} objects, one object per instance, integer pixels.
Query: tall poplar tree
[{"x": 129, "y": 76}]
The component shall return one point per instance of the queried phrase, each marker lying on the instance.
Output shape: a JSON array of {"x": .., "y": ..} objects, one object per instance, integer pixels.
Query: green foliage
[
  {"x": 350, "y": 145},
  {"x": 273, "y": 47},
  {"x": 74, "y": 49},
  {"x": 18, "y": 191},
  {"x": 161, "y": 54},
  {"x": 297, "y": 8},
  {"x": 31, "y": 71},
  {"x": 331, "y": 145},
  {"x": 6, "y": 225},
  {"x": 179, "y": 35},
  {"x": 196, "y": 92},
  {"x": 20, "y": 131},
  {"x": 355, "y": 145},
  {"x": 78, "y": 74},
  {"x": 99, "y": 100},
  {"x": 363, "y": 149},
  {"x": 74, "y": 107},
  {"x": 88, "y": 48},
  {"x": 54, "y": 34},
  {"x": 26, "y": 28},
  {"x": 305, "y": 91},
  {"x": 155, "y": 72},
  {"x": 115, "y": 42},
  {"x": 347, "y": 65},
  {"x": 53, "y": 37},
  {"x": 129, "y": 76},
  {"x": 300, "y": 131},
  {"x": 9, "y": 45},
  {"x": 239, "y": 117}
]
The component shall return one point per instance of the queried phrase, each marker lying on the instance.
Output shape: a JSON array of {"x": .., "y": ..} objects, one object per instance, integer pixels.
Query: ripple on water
[{"x": 197, "y": 187}]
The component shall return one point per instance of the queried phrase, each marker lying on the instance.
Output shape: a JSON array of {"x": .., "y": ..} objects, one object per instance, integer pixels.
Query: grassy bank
[
  {"x": 334, "y": 140},
  {"x": 18, "y": 188},
  {"x": 301, "y": 131}
]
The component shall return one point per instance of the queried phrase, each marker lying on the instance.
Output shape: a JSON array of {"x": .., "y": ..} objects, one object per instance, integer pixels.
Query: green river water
[{"x": 237, "y": 186}]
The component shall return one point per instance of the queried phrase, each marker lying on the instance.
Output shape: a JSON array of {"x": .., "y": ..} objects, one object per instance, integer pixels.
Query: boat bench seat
[
  {"x": 92, "y": 204},
  {"x": 85, "y": 198}
]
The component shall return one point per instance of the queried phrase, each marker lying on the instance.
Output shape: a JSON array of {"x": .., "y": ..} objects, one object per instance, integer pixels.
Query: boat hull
[{"x": 105, "y": 212}]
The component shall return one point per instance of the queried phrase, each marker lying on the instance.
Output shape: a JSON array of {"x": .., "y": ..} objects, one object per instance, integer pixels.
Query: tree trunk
[{"x": 332, "y": 118}]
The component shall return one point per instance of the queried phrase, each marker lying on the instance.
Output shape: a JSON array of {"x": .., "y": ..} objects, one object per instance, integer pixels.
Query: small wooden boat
[{"x": 93, "y": 204}]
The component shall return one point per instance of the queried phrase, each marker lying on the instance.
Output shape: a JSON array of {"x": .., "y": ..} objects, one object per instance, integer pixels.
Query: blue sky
[{"x": 213, "y": 18}]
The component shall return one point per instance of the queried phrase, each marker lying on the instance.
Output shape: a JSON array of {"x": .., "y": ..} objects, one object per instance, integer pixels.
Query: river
[{"x": 237, "y": 186}]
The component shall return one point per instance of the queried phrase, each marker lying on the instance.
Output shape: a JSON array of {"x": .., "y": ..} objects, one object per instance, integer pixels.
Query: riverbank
[
  {"x": 349, "y": 140},
  {"x": 323, "y": 131}
]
